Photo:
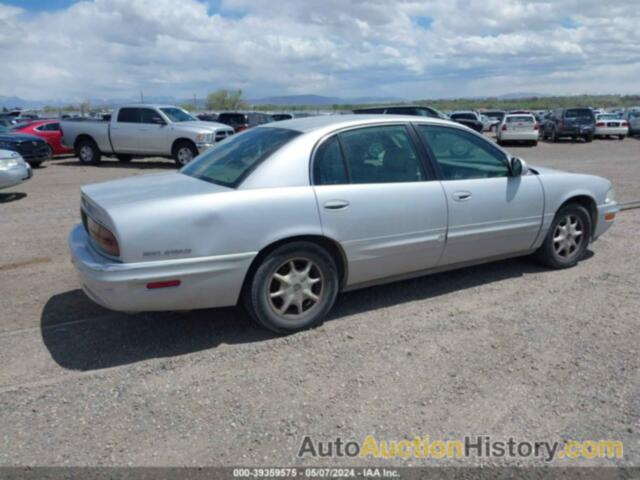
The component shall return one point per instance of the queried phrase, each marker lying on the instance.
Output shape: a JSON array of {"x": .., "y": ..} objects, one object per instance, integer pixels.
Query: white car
[
  {"x": 13, "y": 169},
  {"x": 520, "y": 127},
  {"x": 609, "y": 124}
]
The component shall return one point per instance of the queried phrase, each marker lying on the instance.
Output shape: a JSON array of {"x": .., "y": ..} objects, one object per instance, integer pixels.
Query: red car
[{"x": 49, "y": 131}]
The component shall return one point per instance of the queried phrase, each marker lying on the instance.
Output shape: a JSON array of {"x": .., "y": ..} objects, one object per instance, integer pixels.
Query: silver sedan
[
  {"x": 13, "y": 169},
  {"x": 282, "y": 217}
]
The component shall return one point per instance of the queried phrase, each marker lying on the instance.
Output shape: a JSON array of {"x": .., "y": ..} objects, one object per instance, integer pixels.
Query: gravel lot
[{"x": 506, "y": 349}]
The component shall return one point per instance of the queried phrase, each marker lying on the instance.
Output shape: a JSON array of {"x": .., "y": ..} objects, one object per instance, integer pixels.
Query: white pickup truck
[{"x": 142, "y": 131}]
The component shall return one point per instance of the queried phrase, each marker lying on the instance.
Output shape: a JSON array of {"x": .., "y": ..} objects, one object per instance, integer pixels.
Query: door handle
[
  {"x": 336, "y": 204},
  {"x": 461, "y": 196}
]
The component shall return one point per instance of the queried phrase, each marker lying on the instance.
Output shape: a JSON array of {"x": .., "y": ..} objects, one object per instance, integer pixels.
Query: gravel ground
[{"x": 507, "y": 349}]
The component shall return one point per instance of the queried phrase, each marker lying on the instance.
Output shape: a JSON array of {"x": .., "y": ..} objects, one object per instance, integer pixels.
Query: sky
[{"x": 413, "y": 49}]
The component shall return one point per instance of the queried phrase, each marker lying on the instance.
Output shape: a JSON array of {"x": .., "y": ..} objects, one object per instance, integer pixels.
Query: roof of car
[{"x": 309, "y": 124}]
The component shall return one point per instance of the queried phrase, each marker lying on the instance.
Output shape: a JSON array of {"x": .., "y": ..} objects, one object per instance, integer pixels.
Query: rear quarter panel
[{"x": 98, "y": 130}]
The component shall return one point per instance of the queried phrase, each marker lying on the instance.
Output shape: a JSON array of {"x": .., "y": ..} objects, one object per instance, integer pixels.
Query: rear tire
[
  {"x": 620, "y": 137},
  {"x": 554, "y": 136},
  {"x": 87, "y": 152},
  {"x": 534, "y": 143},
  {"x": 588, "y": 138},
  {"x": 293, "y": 288},
  {"x": 184, "y": 152},
  {"x": 563, "y": 247}
]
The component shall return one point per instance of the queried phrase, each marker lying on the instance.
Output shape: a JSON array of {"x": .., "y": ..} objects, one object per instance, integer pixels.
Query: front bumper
[
  {"x": 205, "y": 282},
  {"x": 203, "y": 146},
  {"x": 15, "y": 175},
  {"x": 606, "y": 216}
]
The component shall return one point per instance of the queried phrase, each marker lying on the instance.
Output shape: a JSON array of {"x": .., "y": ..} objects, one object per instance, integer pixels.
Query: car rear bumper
[
  {"x": 606, "y": 216},
  {"x": 519, "y": 136},
  {"x": 612, "y": 130},
  {"x": 205, "y": 282}
]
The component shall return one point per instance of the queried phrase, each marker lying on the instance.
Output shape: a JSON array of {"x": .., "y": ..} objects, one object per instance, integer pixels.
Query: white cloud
[{"x": 115, "y": 48}]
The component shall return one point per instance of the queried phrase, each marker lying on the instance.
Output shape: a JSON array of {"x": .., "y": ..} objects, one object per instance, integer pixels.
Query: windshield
[
  {"x": 228, "y": 162},
  {"x": 463, "y": 116},
  {"x": 178, "y": 115}
]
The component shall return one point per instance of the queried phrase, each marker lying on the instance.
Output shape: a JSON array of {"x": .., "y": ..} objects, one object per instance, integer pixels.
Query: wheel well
[
  {"x": 178, "y": 141},
  {"x": 82, "y": 137},
  {"x": 588, "y": 203},
  {"x": 331, "y": 246}
]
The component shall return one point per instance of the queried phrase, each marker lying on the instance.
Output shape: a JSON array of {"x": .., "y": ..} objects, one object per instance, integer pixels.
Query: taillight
[
  {"x": 600, "y": 124},
  {"x": 504, "y": 127},
  {"x": 625, "y": 124},
  {"x": 239, "y": 128},
  {"x": 536, "y": 126},
  {"x": 102, "y": 237}
]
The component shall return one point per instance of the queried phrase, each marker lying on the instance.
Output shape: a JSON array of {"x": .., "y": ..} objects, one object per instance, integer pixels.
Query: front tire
[
  {"x": 293, "y": 288},
  {"x": 567, "y": 238},
  {"x": 87, "y": 152},
  {"x": 184, "y": 152}
]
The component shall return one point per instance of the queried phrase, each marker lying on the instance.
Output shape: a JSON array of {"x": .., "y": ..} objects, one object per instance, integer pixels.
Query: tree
[{"x": 225, "y": 100}]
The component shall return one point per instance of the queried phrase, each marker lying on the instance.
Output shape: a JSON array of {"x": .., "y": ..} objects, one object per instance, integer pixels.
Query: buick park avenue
[{"x": 282, "y": 217}]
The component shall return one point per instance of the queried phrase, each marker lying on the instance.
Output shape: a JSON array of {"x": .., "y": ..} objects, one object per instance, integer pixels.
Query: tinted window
[
  {"x": 463, "y": 116},
  {"x": 578, "y": 113},
  {"x": 495, "y": 115},
  {"x": 369, "y": 110},
  {"x": 462, "y": 155},
  {"x": 328, "y": 164},
  {"x": 381, "y": 155},
  {"x": 53, "y": 127},
  {"x": 147, "y": 115},
  {"x": 233, "y": 118},
  {"x": 128, "y": 115},
  {"x": 402, "y": 111},
  {"x": 281, "y": 116},
  {"x": 228, "y": 162}
]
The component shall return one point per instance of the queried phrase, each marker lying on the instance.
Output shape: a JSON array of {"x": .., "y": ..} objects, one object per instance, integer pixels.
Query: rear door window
[
  {"x": 128, "y": 115},
  {"x": 383, "y": 154}
]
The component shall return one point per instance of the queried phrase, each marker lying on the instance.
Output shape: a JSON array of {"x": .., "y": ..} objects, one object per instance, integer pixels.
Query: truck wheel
[
  {"x": 87, "y": 152},
  {"x": 184, "y": 152},
  {"x": 293, "y": 288},
  {"x": 588, "y": 138},
  {"x": 567, "y": 238},
  {"x": 124, "y": 158}
]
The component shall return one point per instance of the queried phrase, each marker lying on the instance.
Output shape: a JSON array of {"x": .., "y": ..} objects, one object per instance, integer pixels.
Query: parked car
[
  {"x": 496, "y": 115},
  {"x": 608, "y": 124},
  {"x": 284, "y": 216},
  {"x": 13, "y": 169},
  {"x": 633, "y": 119},
  {"x": 489, "y": 124},
  {"x": 570, "y": 122},
  {"x": 32, "y": 149},
  {"x": 518, "y": 128},
  {"x": 49, "y": 131},
  {"x": 240, "y": 121},
  {"x": 416, "y": 110},
  {"x": 469, "y": 119},
  {"x": 143, "y": 131}
]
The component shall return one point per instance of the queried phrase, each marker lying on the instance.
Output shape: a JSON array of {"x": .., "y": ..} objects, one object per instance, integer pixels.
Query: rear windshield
[
  {"x": 578, "y": 113},
  {"x": 520, "y": 118},
  {"x": 463, "y": 116},
  {"x": 232, "y": 118},
  {"x": 609, "y": 116},
  {"x": 228, "y": 163}
]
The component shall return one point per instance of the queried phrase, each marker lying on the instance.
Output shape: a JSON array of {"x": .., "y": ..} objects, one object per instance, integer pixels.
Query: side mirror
[{"x": 518, "y": 167}]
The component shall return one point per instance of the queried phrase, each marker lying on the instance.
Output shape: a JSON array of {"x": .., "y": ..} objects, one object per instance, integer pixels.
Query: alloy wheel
[
  {"x": 295, "y": 288},
  {"x": 184, "y": 155},
  {"x": 568, "y": 236}
]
